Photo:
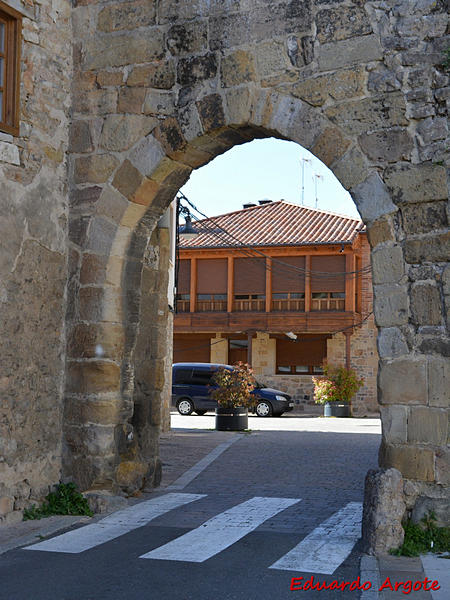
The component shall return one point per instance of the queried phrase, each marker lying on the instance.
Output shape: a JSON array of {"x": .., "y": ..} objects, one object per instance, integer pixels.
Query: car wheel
[
  {"x": 263, "y": 409},
  {"x": 185, "y": 407},
  {"x": 201, "y": 412}
]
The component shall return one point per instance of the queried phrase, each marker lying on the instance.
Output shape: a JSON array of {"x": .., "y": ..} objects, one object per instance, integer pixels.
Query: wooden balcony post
[
  {"x": 193, "y": 290},
  {"x": 230, "y": 284},
  {"x": 308, "y": 283},
  {"x": 268, "y": 284},
  {"x": 350, "y": 283}
]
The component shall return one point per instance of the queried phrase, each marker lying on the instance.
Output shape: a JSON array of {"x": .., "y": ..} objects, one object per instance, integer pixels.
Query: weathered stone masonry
[{"x": 160, "y": 88}]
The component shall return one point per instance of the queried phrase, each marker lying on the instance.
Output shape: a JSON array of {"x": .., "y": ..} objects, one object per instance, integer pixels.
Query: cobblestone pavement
[{"x": 320, "y": 463}]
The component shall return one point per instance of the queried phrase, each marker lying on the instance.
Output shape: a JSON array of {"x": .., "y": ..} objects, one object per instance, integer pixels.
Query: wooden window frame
[{"x": 9, "y": 117}]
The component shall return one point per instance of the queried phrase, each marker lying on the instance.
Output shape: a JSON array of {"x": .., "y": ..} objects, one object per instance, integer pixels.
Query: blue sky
[{"x": 268, "y": 168}]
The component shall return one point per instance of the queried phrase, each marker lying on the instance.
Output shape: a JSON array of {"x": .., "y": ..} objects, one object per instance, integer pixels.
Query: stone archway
[{"x": 152, "y": 104}]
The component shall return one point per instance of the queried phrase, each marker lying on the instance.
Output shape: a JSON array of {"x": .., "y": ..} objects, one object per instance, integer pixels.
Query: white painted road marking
[
  {"x": 327, "y": 546},
  {"x": 194, "y": 471},
  {"x": 221, "y": 531},
  {"x": 115, "y": 525}
]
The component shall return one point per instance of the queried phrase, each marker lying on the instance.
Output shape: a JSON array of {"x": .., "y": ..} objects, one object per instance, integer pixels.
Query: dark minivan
[{"x": 190, "y": 391}]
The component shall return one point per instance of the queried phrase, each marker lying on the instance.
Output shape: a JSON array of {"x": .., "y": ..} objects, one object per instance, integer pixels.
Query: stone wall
[
  {"x": 160, "y": 88},
  {"x": 33, "y": 262}
]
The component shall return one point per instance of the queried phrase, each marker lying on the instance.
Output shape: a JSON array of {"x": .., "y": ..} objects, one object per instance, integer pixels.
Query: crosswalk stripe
[
  {"x": 115, "y": 525},
  {"x": 221, "y": 531},
  {"x": 327, "y": 546}
]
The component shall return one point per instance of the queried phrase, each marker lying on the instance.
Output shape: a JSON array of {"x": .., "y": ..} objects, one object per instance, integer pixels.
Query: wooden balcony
[
  {"x": 211, "y": 306},
  {"x": 290, "y": 305},
  {"x": 328, "y": 304},
  {"x": 249, "y": 305},
  {"x": 314, "y": 321}
]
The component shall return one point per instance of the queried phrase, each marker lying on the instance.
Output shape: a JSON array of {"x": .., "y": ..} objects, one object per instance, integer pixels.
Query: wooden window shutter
[
  {"x": 191, "y": 348},
  {"x": 304, "y": 352},
  {"x": 249, "y": 275},
  {"x": 325, "y": 281},
  {"x": 287, "y": 279},
  {"x": 212, "y": 275},
  {"x": 184, "y": 277}
]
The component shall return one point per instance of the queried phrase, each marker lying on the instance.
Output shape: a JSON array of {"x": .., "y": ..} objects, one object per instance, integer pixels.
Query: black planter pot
[
  {"x": 231, "y": 419},
  {"x": 334, "y": 409}
]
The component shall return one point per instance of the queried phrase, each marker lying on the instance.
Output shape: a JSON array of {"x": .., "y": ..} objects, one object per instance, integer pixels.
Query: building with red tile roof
[{"x": 284, "y": 287}]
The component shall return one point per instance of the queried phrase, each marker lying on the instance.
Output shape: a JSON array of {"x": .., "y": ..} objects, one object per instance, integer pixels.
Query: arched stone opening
[{"x": 348, "y": 111}]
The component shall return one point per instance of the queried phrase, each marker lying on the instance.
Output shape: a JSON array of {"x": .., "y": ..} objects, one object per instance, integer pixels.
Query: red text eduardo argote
[{"x": 300, "y": 583}]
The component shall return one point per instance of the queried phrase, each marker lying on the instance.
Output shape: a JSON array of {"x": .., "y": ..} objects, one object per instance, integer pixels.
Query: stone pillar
[
  {"x": 219, "y": 350},
  {"x": 264, "y": 358}
]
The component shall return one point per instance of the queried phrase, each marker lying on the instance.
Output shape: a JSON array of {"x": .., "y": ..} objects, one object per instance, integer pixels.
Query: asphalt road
[{"x": 269, "y": 492}]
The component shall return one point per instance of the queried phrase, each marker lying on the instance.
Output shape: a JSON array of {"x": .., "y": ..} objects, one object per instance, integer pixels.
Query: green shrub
[
  {"x": 65, "y": 500},
  {"x": 424, "y": 537},
  {"x": 337, "y": 384}
]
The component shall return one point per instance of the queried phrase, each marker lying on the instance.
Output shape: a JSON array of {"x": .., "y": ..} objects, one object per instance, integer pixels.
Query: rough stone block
[
  {"x": 390, "y": 305},
  {"x": 110, "y": 78},
  {"x": 348, "y": 52},
  {"x": 237, "y": 68},
  {"x": 391, "y": 343},
  {"x": 341, "y": 85},
  {"x": 388, "y": 145},
  {"x": 379, "y": 232},
  {"x": 210, "y": 110},
  {"x": 238, "y": 103},
  {"x": 80, "y": 139},
  {"x": 92, "y": 377},
  {"x": 403, "y": 382},
  {"x": 342, "y": 23},
  {"x": 429, "y": 248},
  {"x": 412, "y": 462},
  {"x": 372, "y": 198},
  {"x": 123, "y": 49},
  {"x": 147, "y": 155},
  {"x": 159, "y": 103},
  {"x": 121, "y": 132},
  {"x": 131, "y": 100},
  {"x": 426, "y": 304},
  {"x": 424, "y": 218},
  {"x": 94, "y": 169},
  {"x": 387, "y": 265},
  {"x": 188, "y": 38},
  {"x": 271, "y": 57},
  {"x": 170, "y": 136},
  {"x": 417, "y": 183},
  {"x": 383, "y": 511},
  {"x": 96, "y": 340},
  {"x": 101, "y": 235},
  {"x": 394, "y": 421},
  {"x": 439, "y": 382},
  {"x": 9, "y": 153},
  {"x": 157, "y": 75},
  {"x": 197, "y": 69},
  {"x": 351, "y": 170},
  {"x": 330, "y": 146},
  {"x": 127, "y": 15},
  {"x": 127, "y": 179},
  {"x": 379, "y": 112},
  {"x": 427, "y": 426},
  {"x": 443, "y": 471}
]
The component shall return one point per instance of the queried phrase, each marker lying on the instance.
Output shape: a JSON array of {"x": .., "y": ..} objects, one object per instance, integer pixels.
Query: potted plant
[
  {"x": 335, "y": 389},
  {"x": 232, "y": 391}
]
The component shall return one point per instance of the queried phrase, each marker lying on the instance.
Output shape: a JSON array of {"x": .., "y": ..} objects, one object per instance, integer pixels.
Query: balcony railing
[
  {"x": 249, "y": 305},
  {"x": 183, "y": 306},
  {"x": 211, "y": 306},
  {"x": 297, "y": 305},
  {"x": 323, "y": 304}
]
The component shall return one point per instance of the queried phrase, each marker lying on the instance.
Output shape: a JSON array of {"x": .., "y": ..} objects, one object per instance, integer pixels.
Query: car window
[
  {"x": 183, "y": 376},
  {"x": 201, "y": 376}
]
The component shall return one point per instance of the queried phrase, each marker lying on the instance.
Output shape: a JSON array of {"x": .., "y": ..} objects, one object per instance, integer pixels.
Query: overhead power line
[{"x": 251, "y": 251}]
